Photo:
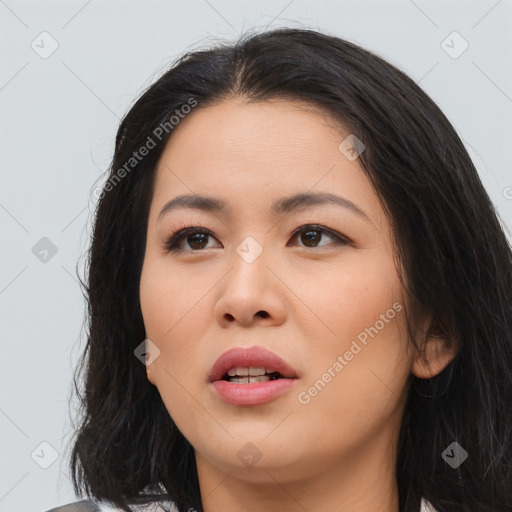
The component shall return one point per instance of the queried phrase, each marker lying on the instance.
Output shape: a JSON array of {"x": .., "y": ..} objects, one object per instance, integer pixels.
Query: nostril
[{"x": 263, "y": 314}]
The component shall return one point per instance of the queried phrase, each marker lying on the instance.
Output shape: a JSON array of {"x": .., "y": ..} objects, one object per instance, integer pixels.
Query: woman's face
[{"x": 326, "y": 300}]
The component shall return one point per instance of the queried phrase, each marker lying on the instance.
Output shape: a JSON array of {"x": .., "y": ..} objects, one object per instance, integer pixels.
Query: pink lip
[{"x": 255, "y": 393}]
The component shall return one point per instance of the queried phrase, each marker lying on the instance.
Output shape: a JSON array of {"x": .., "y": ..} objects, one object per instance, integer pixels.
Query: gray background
[{"x": 59, "y": 118}]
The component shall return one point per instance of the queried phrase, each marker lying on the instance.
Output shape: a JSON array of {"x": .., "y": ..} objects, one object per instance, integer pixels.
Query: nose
[{"x": 251, "y": 293}]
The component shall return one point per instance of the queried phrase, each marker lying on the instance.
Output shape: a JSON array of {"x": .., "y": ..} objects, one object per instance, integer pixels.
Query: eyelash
[{"x": 172, "y": 241}]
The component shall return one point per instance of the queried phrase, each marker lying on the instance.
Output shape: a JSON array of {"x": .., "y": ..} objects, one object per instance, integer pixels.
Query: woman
[{"x": 299, "y": 295}]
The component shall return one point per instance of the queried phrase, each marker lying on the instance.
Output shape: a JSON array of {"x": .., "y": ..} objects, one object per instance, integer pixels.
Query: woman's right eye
[{"x": 193, "y": 235}]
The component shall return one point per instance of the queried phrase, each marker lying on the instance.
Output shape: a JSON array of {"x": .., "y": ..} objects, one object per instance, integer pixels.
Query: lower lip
[{"x": 255, "y": 393}]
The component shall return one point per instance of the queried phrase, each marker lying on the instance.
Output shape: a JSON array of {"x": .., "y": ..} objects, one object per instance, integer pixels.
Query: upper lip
[{"x": 246, "y": 357}]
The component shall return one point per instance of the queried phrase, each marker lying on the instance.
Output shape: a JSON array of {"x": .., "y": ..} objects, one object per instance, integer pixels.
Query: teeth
[
  {"x": 249, "y": 380},
  {"x": 244, "y": 371},
  {"x": 256, "y": 370}
]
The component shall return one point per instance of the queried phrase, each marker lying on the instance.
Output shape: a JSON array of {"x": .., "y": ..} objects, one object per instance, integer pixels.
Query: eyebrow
[{"x": 284, "y": 205}]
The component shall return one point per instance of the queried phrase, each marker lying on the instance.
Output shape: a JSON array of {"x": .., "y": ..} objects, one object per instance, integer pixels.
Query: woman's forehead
[{"x": 269, "y": 149}]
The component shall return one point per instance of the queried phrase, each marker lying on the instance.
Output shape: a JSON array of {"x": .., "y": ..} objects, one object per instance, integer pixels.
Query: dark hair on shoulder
[{"x": 455, "y": 257}]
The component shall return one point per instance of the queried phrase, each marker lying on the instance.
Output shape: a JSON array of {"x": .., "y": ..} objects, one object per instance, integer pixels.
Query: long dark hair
[{"x": 456, "y": 262}]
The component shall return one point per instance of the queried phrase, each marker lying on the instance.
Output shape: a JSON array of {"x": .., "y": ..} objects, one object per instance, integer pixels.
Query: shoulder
[
  {"x": 93, "y": 506},
  {"x": 78, "y": 506}
]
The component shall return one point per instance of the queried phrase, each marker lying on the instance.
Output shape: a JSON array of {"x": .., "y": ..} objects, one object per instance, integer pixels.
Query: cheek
[
  {"x": 164, "y": 318},
  {"x": 351, "y": 298},
  {"x": 357, "y": 392},
  {"x": 169, "y": 301},
  {"x": 175, "y": 312},
  {"x": 360, "y": 368}
]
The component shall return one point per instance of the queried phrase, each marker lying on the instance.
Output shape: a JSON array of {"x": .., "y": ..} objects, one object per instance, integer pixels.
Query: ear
[
  {"x": 438, "y": 351},
  {"x": 149, "y": 371},
  {"x": 150, "y": 375}
]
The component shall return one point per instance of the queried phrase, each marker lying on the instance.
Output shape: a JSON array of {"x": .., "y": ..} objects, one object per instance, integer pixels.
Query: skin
[{"x": 338, "y": 451}]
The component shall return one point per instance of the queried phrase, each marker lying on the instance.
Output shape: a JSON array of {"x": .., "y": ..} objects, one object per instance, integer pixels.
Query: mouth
[
  {"x": 254, "y": 364},
  {"x": 251, "y": 376}
]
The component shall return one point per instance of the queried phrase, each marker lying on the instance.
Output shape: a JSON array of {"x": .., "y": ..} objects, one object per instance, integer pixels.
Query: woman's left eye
[
  {"x": 196, "y": 237},
  {"x": 312, "y": 233}
]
